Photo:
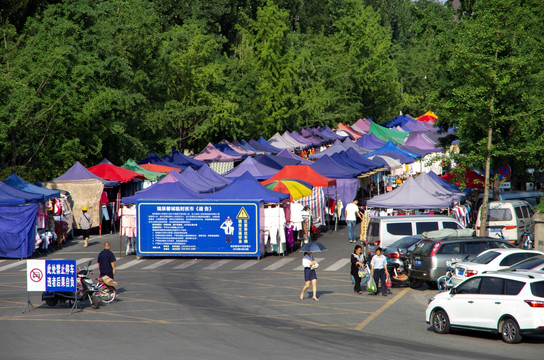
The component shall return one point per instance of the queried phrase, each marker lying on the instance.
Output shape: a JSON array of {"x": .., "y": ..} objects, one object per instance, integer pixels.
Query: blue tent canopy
[
  {"x": 28, "y": 197},
  {"x": 330, "y": 168},
  {"x": 289, "y": 155},
  {"x": 17, "y": 230},
  {"x": 395, "y": 152},
  {"x": 16, "y": 182},
  {"x": 362, "y": 164},
  {"x": 226, "y": 149},
  {"x": 163, "y": 191},
  {"x": 247, "y": 188},
  {"x": 245, "y": 145},
  {"x": 328, "y": 131},
  {"x": 370, "y": 142},
  {"x": 334, "y": 148},
  {"x": 155, "y": 159},
  {"x": 179, "y": 159}
]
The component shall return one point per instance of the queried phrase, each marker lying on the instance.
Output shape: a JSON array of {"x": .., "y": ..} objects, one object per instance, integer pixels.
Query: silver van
[
  {"x": 509, "y": 218},
  {"x": 384, "y": 230}
]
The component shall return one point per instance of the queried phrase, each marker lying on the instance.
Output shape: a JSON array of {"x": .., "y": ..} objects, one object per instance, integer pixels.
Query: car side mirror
[
  {"x": 466, "y": 258},
  {"x": 453, "y": 291}
]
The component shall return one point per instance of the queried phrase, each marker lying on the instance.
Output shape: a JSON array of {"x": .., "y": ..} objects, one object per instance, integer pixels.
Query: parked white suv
[{"x": 508, "y": 303}]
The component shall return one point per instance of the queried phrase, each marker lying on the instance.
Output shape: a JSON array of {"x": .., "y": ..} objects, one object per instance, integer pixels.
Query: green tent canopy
[
  {"x": 386, "y": 134},
  {"x": 151, "y": 175}
]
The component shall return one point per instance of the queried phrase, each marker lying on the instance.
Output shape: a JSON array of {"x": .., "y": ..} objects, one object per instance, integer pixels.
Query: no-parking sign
[
  {"x": 51, "y": 275},
  {"x": 504, "y": 171}
]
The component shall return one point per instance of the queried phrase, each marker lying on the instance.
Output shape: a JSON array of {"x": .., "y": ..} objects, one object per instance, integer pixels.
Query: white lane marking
[
  {"x": 300, "y": 268},
  {"x": 216, "y": 265},
  {"x": 337, "y": 265},
  {"x": 186, "y": 264},
  {"x": 129, "y": 264},
  {"x": 157, "y": 264},
  {"x": 279, "y": 264},
  {"x": 246, "y": 265}
]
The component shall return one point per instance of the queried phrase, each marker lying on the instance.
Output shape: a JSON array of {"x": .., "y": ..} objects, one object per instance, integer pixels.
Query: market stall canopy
[
  {"x": 391, "y": 150},
  {"x": 386, "y": 161},
  {"x": 356, "y": 135},
  {"x": 16, "y": 182},
  {"x": 7, "y": 199},
  {"x": 286, "y": 136},
  {"x": 370, "y": 142},
  {"x": 264, "y": 144},
  {"x": 328, "y": 131},
  {"x": 297, "y": 189},
  {"x": 238, "y": 148},
  {"x": 155, "y": 159},
  {"x": 257, "y": 169},
  {"x": 353, "y": 159},
  {"x": 407, "y": 123},
  {"x": 116, "y": 173},
  {"x": 330, "y": 168},
  {"x": 226, "y": 149},
  {"x": 289, "y": 155},
  {"x": 150, "y": 175},
  {"x": 211, "y": 154},
  {"x": 248, "y": 147},
  {"x": 302, "y": 172},
  {"x": 386, "y": 134},
  {"x": 426, "y": 182},
  {"x": 191, "y": 176},
  {"x": 429, "y": 116},
  {"x": 278, "y": 141},
  {"x": 469, "y": 179},
  {"x": 299, "y": 138},
  {"x": 409, "y": 195},
  {"x": 363, "y": 125},
  {"x": 210, "y": 174},
  {"x": 305, "y": 133},
  {"x": 80, "y": 172},
  {"x": 333, "y": 149},
  {"x": 177, "y": 158},
  {"x": 163, "y": 191},
  {"x": 246, "y": 187},
  {"x": 189, "y": 182},
  {"x": 160, "y": 168}
]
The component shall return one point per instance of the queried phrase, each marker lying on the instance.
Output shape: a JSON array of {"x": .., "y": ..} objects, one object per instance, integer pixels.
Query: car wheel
[
  {"x": 441, "y": 322},
  {"x": 510, "y": 331},
  {"x": 415, "y": 283}
]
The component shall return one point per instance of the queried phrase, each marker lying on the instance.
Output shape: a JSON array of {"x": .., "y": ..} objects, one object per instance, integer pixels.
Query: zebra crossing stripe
[
  {"x": 128, "y": 264},
  {"x": 158, "y": 264},
  {"x": 25, "y": 267},
  {"x": 279, "y": 264},
  {"x": 246, "y": 265},
  {"x": 186, "y": 264},
  {"x": 300, "y": 268},
  {"x": 216, "y": 265},
  {"x": 337, "y": 265}
]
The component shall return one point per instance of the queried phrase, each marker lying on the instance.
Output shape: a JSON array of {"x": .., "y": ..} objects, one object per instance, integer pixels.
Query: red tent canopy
[
  {"x": 117, "y": 173},
  {"x": 429, "y": 116},
  {"x": 355, "y": 134},
  {"x": 471, "y": 179},
  {"x": 159, "y": 168},
  {"x": 301, "y": 172}
]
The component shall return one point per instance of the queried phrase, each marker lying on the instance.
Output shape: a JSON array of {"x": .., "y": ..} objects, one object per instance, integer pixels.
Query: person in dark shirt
[{"x": 106, "y": 261}]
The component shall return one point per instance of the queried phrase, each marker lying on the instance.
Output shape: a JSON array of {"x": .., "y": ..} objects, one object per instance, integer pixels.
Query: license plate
[
  {"x": 494, "y": 230},
  {"x": 417, "y": 262},
  {"x": 460, "y": 271}
]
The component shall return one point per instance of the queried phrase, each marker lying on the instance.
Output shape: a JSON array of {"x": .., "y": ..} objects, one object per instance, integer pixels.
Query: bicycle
[{"x": 527, "y": 239}]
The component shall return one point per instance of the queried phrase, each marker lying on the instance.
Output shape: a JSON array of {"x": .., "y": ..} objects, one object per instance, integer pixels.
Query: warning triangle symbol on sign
[{"x": 242, "y": 214}]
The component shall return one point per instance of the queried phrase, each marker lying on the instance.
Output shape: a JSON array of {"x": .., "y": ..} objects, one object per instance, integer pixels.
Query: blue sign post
[{"x": 199, "y": 228}]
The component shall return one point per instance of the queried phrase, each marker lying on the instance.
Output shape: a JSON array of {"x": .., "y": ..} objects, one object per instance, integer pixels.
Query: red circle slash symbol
[{"x": 36, "y": 275}]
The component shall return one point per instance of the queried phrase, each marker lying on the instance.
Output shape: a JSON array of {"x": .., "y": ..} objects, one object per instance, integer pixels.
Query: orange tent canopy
[
  {"x": 343, "y": 127},
  {"x": 116, "y": 173},
  {"x": 429, "y": 116},
  {"x": 301, "y": 172},
  {"x": 159, "y": 168}
]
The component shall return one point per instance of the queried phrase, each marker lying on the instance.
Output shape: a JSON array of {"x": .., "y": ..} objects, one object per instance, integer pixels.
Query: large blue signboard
[{"x": 198, "y": 228}]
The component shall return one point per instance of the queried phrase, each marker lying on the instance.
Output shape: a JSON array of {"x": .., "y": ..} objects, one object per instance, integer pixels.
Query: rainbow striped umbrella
[{"x": 294, "y": 187}]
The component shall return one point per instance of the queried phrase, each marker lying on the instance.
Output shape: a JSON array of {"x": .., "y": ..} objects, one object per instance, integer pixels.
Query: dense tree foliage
[{"x": 82, "y": 80}]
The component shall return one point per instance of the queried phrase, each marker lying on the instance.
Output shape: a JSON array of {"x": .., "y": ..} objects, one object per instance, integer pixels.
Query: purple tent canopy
[
  {"x": 334, "y": 148},
  {"x": 301, "y": 139},
  {"x": 289, "y": 155},
  {"x": 355, "y": 161},
  {"x": 316, "y": 134},
  {"x": 190, "y": 176},
  {"x": 370, "y": 142},
  {"x": 330, "y": 168},
  {"x": 211, "y": 154},
  {"x": 244, "y": 144},
  {"x": 235, "y": 145},
  {"x": 206, "y": 172},
  {"x": 281, "y": 143},
  {"x": 426, "y": 182},
  {"x": 8, "y": 199},
  {"x": 272, "y": 149},
  {"x": 258, "y": 170},
  {"x": 328, "y": 131},
  {"x": 260, "y": 148},
  {"x": 410, "y": 195},
  {"x": 226, "y": 149},
  {"x": 247, "y": 188},
  {"x": 363, "y": 125},
  {"x": 80, "y": 172}
]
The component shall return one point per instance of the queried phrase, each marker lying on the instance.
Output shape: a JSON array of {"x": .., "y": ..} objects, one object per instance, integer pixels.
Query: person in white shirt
[
  {"x": 378, "y": 271},
  {"x": 351, "y": 214}
]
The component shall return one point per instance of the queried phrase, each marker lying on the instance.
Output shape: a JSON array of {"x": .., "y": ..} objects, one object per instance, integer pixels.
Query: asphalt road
[{"x": 233, "y": 308}]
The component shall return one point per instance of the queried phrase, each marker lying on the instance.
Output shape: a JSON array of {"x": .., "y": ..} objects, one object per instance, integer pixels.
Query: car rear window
[
  {"x": 400, "y": 228},
  {"x": 529, "y": 263},
  {"x": 450, "y": 225},
  {"x": 537, "y": 288},
  {"x": 499, "y": 215},
  {"x": 513, "y": 287},
  {"x": 421, "y": 227},
  {"x": 423, "y": 248},
  {"x": 474, "y": 247},
  {"x": 486, "y": 257}
]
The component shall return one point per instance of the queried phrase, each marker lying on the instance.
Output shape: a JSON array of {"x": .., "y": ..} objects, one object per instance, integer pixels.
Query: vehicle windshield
[
  {"x": 486, "y": 258},
  {"x": 537, "y": 288},
  {"x": 405, "y": 242}
]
